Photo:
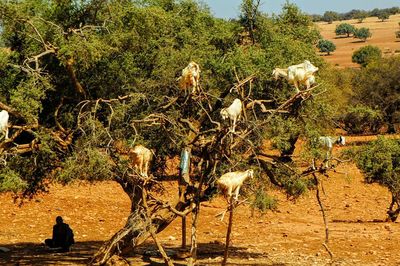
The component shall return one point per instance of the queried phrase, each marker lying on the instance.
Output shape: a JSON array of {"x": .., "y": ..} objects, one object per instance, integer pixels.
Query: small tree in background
[
  {"x": 330, "y": 16},
  {"x": 366, "y": 55},
  {"x": 383, "y": 16},
  {"x": 326, "y": 46},
  {"x": 344, "y": 28},
  {"x": 397, "y": 33},
  {"x": 362, "y": 34},
  {"x": 360, "y": 16}
]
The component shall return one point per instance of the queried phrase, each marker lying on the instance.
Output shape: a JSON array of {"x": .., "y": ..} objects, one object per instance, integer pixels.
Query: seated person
[{"x": 63, "y": 237}]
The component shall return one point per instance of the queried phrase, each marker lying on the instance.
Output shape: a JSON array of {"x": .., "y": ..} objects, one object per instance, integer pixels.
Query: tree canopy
[{"x": 85, "y": 81}]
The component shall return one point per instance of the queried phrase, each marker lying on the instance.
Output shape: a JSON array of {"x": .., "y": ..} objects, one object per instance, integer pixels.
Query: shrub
[
  {"x": 383, "y": 16},
  {"x": 326, "y": 46},
  {"x": 344, "y": 28},
  {"x": 366, "y": 55},
  {"x": 362, "y": 34},
  {"x": 380, "y": 162},
  {"x": 362, "y": 119}
]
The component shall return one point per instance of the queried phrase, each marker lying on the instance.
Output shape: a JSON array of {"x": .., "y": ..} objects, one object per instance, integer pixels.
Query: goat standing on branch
[
  {"x": 301, "y": 74},
  {"x": 141, "y": 157},
  {"x": 233, "y": 112},
  {"x": 190, "y": 77},
  {"x": 4, "y": 123},
  {"x": 233, "y": 181},
  {"x": 326, "y": 143}
]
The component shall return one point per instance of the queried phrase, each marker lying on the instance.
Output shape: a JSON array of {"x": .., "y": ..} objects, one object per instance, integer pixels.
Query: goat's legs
[{"x": 237, "y": 193}]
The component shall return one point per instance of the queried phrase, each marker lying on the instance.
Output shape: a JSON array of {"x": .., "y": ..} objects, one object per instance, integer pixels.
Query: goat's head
[
  {"x": 250, "y": 173},
  {"x": 341, "y": 140},
  {"x": 310, "y": 67},
  {"x": 224, "y": 113}
]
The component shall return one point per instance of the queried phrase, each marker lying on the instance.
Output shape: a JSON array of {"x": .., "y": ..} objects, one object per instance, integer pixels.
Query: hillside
[{"x": 383, "y": 36}]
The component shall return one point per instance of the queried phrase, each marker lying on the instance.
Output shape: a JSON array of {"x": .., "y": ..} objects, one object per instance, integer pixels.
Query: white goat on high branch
[
  {"x": 4, "y": 123},
  {"x": 232, "y": 181},
  {"x": 233, "y": 112},
  {"x": 141, "y": 157},
  {"x": 301, "y": 74}
]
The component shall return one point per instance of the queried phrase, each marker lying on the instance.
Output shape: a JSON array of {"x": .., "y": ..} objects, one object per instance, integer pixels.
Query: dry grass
[{"x": 383, "y": 36}]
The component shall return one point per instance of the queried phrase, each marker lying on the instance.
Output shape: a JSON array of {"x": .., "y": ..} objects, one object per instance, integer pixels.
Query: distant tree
[
  {"x": 362, "y": 34},
  {"x": 326, "y": 46},
  {"x": 316, "y": 17},
  {"x": 344, "y": 28},
  {"x": 249, "y": 15},
  {"x": 375, "y": 12},
  {"x": 330, "y": 16},
  {"x": 397, "y": 33},
  {"x": 360, "y": 15},
  {"x": 366, "y": 55},
  {"x": 383, "y": 16}
]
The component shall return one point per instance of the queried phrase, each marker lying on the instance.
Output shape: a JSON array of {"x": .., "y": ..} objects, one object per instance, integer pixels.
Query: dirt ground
[
  {"x": 293, "y": 235},
  {"x": 383, "y": 36}
]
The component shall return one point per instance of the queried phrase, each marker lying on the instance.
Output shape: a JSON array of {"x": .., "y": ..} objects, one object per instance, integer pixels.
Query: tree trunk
[{"x": 135, "y": 232}]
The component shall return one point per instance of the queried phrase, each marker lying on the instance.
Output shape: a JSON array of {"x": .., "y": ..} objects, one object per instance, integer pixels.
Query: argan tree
[
  {"x": 380, "y": 162},
  {"x": 366, "y": 55},
  {"x": 85, "y": 81},
  {"x": 344, "y": 29},
  {"x": 362, "y": 34},
  {"x": 326, "y": 46}
]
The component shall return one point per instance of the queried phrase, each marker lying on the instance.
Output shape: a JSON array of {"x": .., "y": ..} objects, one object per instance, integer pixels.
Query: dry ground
[
  {"x": 291, "y": 236},
  {"x": 383, "y": 36}
]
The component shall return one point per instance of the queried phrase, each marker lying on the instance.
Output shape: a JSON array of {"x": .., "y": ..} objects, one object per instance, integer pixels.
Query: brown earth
[
  {"x": 383, "y": 36},
  {"x": 293, "y": 235}
]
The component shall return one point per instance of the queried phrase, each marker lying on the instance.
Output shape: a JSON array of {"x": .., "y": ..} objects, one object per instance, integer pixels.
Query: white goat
[
  {"x": 4, "y": 123},
  {"x": 232, "y": 181},
  {"x": 141, "y": 157},
  {"x": 301, "y": 74},
  {"x": 190, "y": 77},
  {"x": 326, "y": 143},
  {"x": 233, "y": 112}
]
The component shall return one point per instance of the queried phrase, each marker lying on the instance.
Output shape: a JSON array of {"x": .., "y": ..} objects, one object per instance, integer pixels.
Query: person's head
[{"x": 59, "y": 220}]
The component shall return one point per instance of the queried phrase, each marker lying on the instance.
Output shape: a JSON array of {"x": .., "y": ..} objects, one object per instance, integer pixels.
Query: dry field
[
  {"x": 383, "y": 36},
  {"x": 293, "y": 235}
]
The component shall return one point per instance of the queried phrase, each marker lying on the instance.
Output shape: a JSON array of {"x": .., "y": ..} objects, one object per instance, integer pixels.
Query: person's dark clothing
[{"x": 62, "y": 237}]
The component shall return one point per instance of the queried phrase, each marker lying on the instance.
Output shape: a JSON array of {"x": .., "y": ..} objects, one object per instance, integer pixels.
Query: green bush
[
  {"x": 366, "y": 55},
  {"x": 362, "y": 119},
  {"x": 326, "y": 46},
  {"x": 380, "y": 162},
  {"x": 362, "y": 34},
  {"x": 345, "y": 29}
]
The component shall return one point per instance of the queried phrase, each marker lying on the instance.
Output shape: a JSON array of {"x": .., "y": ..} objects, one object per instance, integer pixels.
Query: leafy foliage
[
  {"x": 345, "y": 29},
  {"x": 326, "y": 46},
  {"x": 376, "y": 86},
  {"x": 362, "y": 119},
  {"x": 383, "y": 16},
  {"x": 367, "y": 54},
  {"x": 362, "y": 34},
  {"x": 380, "y": 162}
]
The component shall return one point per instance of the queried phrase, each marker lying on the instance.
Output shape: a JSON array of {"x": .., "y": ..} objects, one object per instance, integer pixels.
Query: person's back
[{"x": 62, "y": 235}]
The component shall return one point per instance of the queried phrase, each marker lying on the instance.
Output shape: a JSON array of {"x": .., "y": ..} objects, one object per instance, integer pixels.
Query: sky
[{"x": 230, "y": 8}]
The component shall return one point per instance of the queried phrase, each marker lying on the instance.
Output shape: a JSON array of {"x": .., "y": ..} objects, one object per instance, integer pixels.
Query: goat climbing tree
[{"x": 85, "y": 82}]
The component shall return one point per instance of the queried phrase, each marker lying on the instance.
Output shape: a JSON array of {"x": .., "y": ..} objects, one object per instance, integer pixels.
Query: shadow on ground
[{"x": 147, "y": 254}]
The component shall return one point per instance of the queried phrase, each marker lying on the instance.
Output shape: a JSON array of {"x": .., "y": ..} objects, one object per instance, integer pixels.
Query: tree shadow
[
  {"x": 359, "y": 221},
  {"x": 211, "y": 252},
  {"x": 358, "y": 41},
  {"x": 147, "y": 254},
  {"x": 38, "y": 254}
]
